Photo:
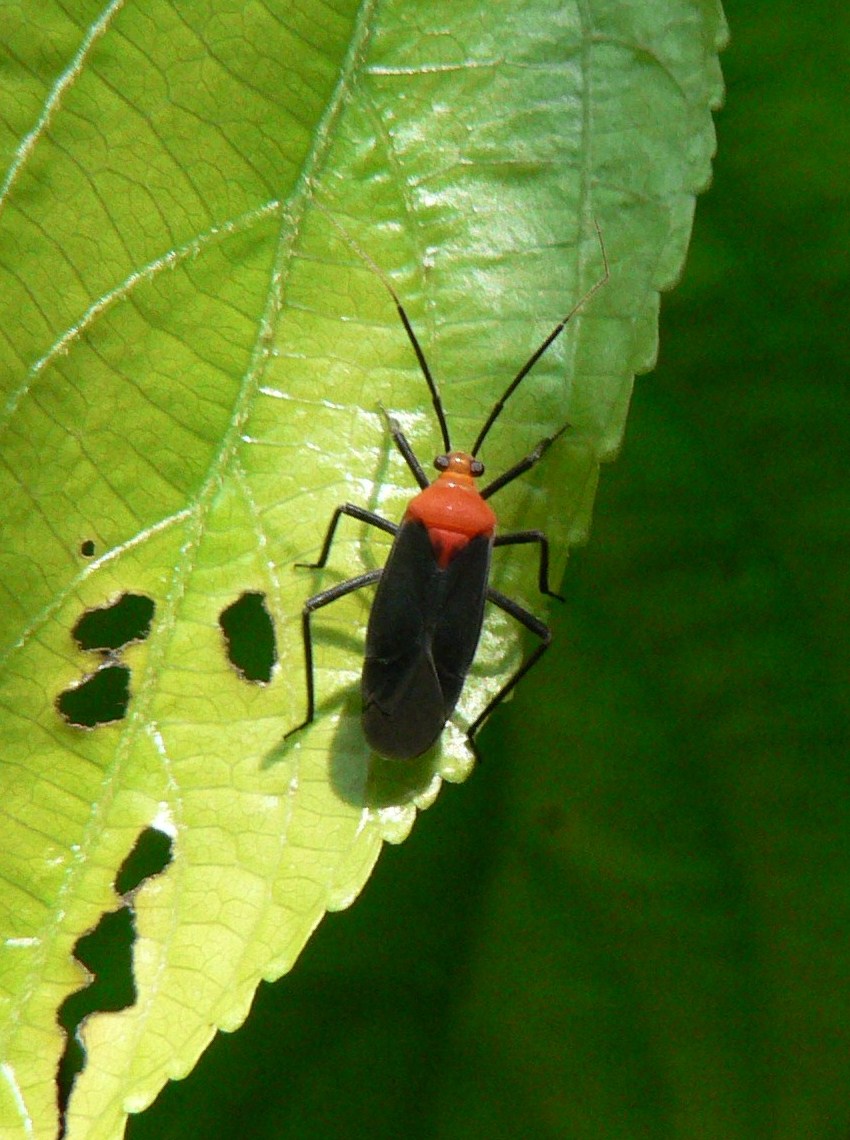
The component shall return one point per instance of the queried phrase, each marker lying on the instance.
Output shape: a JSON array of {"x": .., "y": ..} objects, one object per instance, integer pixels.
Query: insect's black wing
[
  {"x": 458, "y": 617},
  {"x": 416, "y": 654},
  {"x": 402, "y": 699}
]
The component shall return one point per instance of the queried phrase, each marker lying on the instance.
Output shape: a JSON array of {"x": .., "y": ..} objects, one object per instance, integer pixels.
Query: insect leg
[
  {"x": 524, "y": 465},
  {"x": 533, "y": 625},
  {"x": 310, "y": 606},
  {"x": 520, "y": 538},
  {"x": 405, "y": 450},
  {"x": 356, "y": 513}
]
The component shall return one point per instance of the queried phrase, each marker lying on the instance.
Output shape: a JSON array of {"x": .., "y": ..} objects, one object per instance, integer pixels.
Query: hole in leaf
[
  {"x": 107, "y": 954},
  {"x": 100, "y": 699},
  {"x": 87, "y": 548},
  {"x": 150, "y": 856},
  {"x": 249, "y": 637},
  {"x": 110, "y": 627}
]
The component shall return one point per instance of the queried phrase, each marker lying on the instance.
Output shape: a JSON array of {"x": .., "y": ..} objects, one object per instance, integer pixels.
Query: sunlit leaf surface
[{"x": 194, "y": 359}]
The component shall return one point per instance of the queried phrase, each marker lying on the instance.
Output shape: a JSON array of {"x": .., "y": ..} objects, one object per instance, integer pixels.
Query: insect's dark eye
[
  {"x": 442, "y": 462},
  {"x": 476, "y": 468}
]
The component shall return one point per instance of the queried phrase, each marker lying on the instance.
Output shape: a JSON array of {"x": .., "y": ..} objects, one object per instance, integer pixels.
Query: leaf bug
[{"x": 428, "y": 610}]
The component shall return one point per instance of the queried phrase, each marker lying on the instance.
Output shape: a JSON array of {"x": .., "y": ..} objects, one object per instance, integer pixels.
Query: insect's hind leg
[
  {"x": 310, "y": 606},
  {"x": 523, "y": 537},
  {"x": 533, "y": 625},
  {"x": 333, "y": 593},
  {"x": 353, "y": 512}
]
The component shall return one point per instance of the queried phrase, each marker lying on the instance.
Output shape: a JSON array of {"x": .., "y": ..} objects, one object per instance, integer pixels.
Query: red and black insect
[{"x": 428, "y": 610}]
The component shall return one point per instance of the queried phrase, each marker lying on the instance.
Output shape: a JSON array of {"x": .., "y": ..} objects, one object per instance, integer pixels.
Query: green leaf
[{"x": 194, "y": 360}]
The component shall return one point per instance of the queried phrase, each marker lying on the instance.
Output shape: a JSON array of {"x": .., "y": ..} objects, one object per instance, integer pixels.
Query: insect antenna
[
  {"x": 408, "y": 328},
  {"x": 497, "y": 408}
]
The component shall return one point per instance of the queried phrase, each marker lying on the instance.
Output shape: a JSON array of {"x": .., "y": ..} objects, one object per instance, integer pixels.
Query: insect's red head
[{"x": 459, "y": 465}]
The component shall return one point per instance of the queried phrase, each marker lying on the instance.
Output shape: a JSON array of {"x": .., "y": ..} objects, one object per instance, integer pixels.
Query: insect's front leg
[
  {"x": 405, "y": 450},
  {"x": 523, "y": 537},
  {"x": 531, "y": 460}
]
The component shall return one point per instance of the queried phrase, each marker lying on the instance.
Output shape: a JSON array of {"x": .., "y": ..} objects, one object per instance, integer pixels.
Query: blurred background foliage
[{"x": 644, "y": 935}]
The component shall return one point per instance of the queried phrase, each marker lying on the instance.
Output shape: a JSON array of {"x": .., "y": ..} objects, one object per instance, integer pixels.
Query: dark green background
[{"x": 645, "y": 936}]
